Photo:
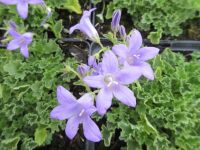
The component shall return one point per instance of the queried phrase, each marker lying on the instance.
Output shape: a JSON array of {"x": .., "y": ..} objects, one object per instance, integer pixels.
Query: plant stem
[{"x": 68, "y": 68}]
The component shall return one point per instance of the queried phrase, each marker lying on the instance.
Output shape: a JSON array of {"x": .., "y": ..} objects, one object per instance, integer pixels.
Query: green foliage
[
  {"x": 167, "y": 113},
  {"x": 28, "y": 86},
  {"x": 159, "y": 15}
]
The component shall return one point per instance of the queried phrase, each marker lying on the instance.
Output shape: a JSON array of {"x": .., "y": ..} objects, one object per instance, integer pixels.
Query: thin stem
[{"x": 68, "y": 68}]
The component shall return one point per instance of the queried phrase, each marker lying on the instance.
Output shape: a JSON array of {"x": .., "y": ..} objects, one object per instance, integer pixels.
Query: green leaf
[
  {"x": 57, "y": 28},
  {"x": 107, "y": 135},
  {"x": 155, "y": 37},
  {"x": 11, "y": 143},
  {"x": 40, "y": 135},
  {"x": 73, "y": 6}
]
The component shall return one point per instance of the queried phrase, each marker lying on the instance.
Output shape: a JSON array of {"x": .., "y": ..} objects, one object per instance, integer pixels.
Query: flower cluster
[{"x": 120, "y": 66}]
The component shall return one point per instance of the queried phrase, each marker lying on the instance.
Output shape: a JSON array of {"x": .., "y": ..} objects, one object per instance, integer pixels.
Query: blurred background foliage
[{"x": 158, "y": 18}]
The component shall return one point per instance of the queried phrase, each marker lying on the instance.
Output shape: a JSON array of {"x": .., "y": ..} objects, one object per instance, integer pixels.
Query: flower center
[
  {"x": 109, "y": 80},
  {"x": 131, "y": 59},
  {"x": 81, "y": 113},
  {"x": 22, "y": 41}
]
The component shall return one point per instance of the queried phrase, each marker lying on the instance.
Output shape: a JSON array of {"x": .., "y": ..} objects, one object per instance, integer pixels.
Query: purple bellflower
[
  {"x": 134, "y": 55},
  {"x": 22, "y": 5},
  {"x": 112, "y": 81},
  {"x": 115, "y": 20},
  {"x": 77, "y": 112},
  {"x": 86, "y": 26},
  {"x": 19, "y": 40}
]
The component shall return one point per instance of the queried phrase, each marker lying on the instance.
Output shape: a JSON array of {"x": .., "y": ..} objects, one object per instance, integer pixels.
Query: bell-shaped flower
[
  {"x": 116, "y": 20},
  {"x": 112, "y": 82},
  {"x": 86, "y": 27},
  {"x": 77, "y": 112},
  {"x": 19, "y": 40},
  {"x": 135, "y": 55},
  {"x": 22, "y": 5}
]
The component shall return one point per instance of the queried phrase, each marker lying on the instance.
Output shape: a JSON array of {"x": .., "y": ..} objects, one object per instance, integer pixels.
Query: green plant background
[
  {"x": 161, "y": 17},
  {"x": 28, "y": 86}
]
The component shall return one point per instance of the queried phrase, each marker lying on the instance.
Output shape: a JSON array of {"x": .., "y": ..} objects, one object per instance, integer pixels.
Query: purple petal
[
  {"x": 135, "y": 41},
  {"x": 63, "y": 112},
  {"x": 120, "y": 50},
  {"x": 83, "y": 69},
  {"x": 103, "y": 100},
  {"x": 91, "y": 110},
  {"x": 72, "y": 127},
  {"x": 75, "y": 27},
  {"x": 9, "y": 2},
  {"x": 65, "y": 97},
  {"x": 36, "y": 2},
  {"x": 12, "y": 45},
  {"x": 124, "y": 95},
  {"x": 24, "y": 50},
  {"x": 91, "y": 130},
  {"x": 147, "y": 71},
  {"x": 92, "y": 61},
  {"x": 128, "y": 75},
  {"x": 14, "y": 33},
  {"x": 22, "y": 8},
  {"x": 94, "y": 81},
  {"x": 28, "y": 37},
  {"x": 109, "y": 62},
  {"x": 147, "y": 53},
  {"x": 87, "y": 13},
  {"x": 87, "y": 100}
]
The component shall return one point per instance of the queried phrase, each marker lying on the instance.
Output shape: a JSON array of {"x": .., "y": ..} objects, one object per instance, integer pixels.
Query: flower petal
[
  {"x": 9, "y": 2},
  {"x": 65, "y": 97},
  {"x": 24, "y": 50},
  {"x": 109, "y": 62},
  {"x": 72, "y": 127},
  {"x": 22, "y": 8},
  {"x": 128, "y": 75},
  {"x": 87, "y": 100},
  {"x": 103, "y": 100},
  {"x": 120, "y": 50},
  {"x": 94, "y": 81},
  {"x": 91, "y": 130},
  {"x": 124, "y": 95},
  {"x": 147, "y": 53},
  {"x": 147, "y": 70},
  {"x": 75, "y": 27},
  {"x": 135, "y": 41},
  {"x": 87, "y": 13},
  {"x": 14, "y": 33},
  {"x": 63, "y": 112},
  {"x": 12, "y": 45},
  {"x": 36, "y": 2}
]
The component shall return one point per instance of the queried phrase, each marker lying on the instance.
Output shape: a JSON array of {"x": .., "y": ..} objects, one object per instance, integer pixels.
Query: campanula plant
[{"x": 110, "y": 71}]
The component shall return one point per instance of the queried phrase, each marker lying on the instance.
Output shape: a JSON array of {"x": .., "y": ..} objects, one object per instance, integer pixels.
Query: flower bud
[
  {"x": 115, "y": 20},
  {"x": 83, "y": 69},
  {"x": 122, "y": 32}
]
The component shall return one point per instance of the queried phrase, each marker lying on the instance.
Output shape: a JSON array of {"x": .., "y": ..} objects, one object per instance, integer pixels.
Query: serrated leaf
[
  {"x": 40, "y": 135},
  {"x": 73, "y": 6},
  {"x": 57, "y": 28}
]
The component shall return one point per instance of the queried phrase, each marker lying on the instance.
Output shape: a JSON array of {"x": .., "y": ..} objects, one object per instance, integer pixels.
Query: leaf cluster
[{"x": 161, "y": 17}]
